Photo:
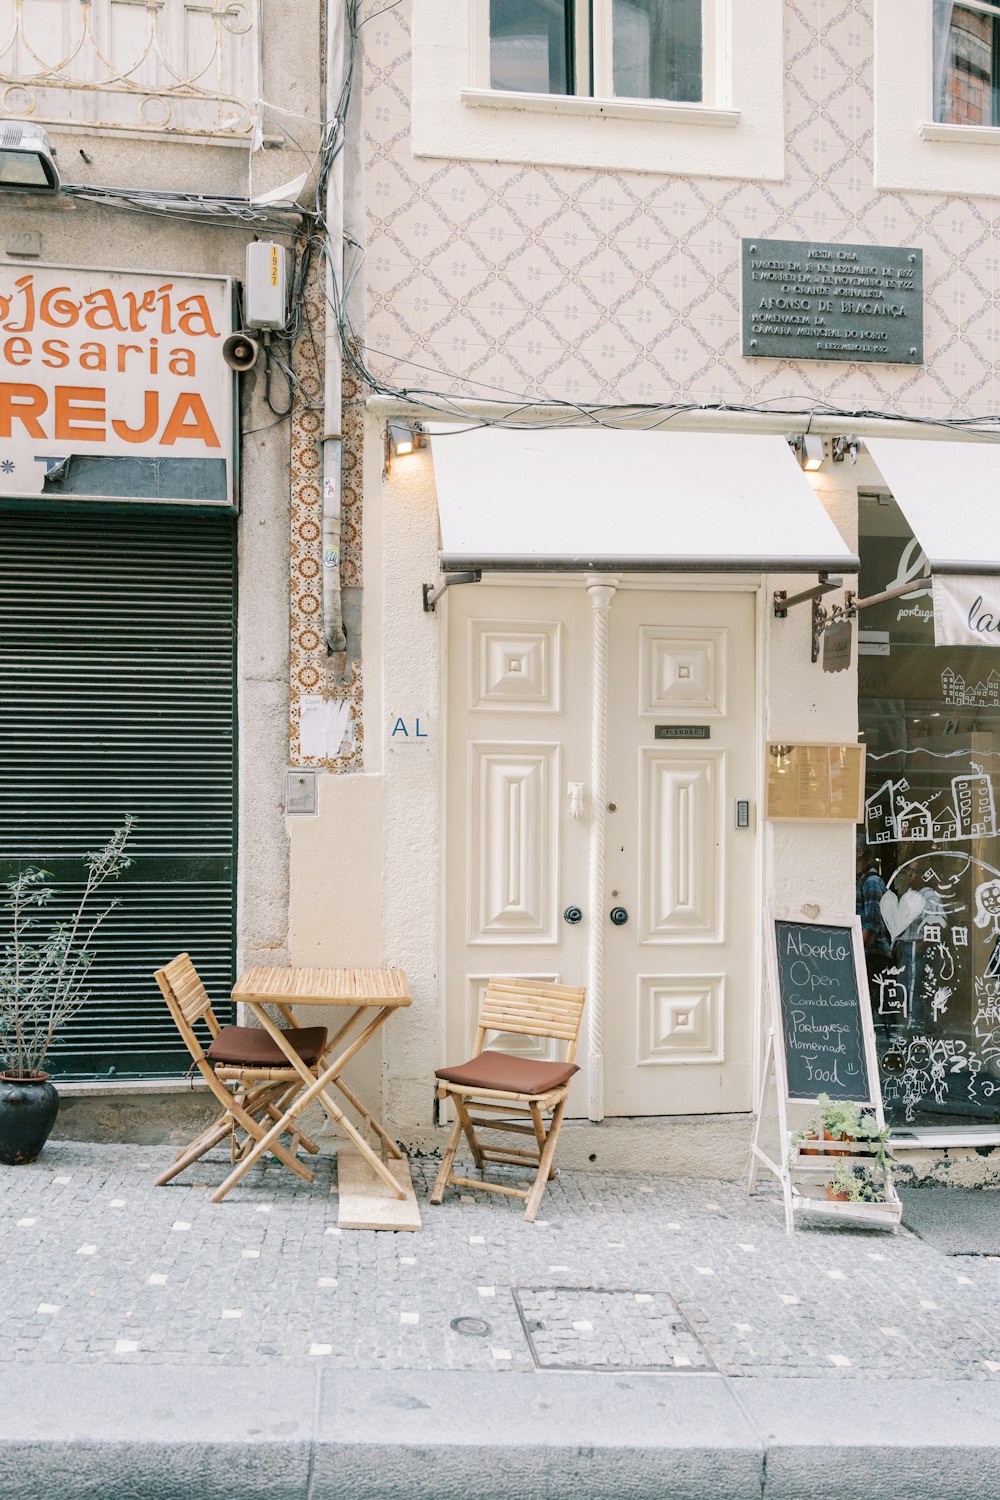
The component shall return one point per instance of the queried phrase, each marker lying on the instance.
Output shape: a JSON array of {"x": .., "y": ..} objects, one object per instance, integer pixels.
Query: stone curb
[{"x": 223, "y": 1434}]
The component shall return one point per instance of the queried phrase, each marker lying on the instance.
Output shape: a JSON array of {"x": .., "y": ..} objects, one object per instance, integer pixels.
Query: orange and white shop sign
[{"x": 99, "y": 369}]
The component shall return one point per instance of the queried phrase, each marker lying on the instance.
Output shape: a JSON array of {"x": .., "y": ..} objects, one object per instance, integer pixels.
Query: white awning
[
  {"x": 950, "y": 495},
  {"x": 613, "y": 500}
]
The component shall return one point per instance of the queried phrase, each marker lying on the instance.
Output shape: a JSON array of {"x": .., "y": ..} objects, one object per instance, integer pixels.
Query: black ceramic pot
[{"x": 28, "y": 1109}]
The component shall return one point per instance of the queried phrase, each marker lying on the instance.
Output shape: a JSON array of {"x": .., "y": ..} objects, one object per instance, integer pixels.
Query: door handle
[
  {"x": 619, "y": 916},
  {"x": 572, "y": 915}
]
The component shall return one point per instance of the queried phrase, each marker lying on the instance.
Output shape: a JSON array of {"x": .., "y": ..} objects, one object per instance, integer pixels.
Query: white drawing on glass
[
  {"x": 893, "y": 998},
  {"x": 882, "y": 811},
  {"x": 987, "y": 1013},
  {"x": 900, "y": 912},
  {"x": 919, "y": 1066},
  {"x": 931, "y": 965},
  {"x": 945, "y": 825},
  {"x": 955, "y": 690},
  {"x": 939, "y": 1005},
  {"x": 915, "y": 823},
  {"x": 939, "y": 1083},
  {"x": 973, "y": 794},
  {"x": 988, "y": 905},
  {"x": 988, "y": 911},
  {"x": 969, "y": 812}
]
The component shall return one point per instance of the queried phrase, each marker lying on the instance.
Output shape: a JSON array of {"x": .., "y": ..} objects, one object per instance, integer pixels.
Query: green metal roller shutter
[{"x": 117, "y": 695}]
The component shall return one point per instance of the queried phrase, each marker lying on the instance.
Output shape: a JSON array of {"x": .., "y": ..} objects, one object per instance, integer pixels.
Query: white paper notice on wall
[
  {"x": 324, "y": 726},
  {"x": 966, "y": 610}
]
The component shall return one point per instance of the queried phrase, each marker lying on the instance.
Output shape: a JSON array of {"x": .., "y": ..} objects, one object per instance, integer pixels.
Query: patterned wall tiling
[
  {"x": 511, "y": 281},
  {"x": 311, "y": 669}
]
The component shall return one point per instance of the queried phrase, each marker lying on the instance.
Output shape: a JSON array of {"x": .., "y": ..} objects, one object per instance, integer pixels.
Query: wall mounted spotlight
[
  {"x": 808, "y": 447},
  {"x": 401, "y": 439},
  {"x": 27, "y": 158},
  {"x": 845, "y": 446}
]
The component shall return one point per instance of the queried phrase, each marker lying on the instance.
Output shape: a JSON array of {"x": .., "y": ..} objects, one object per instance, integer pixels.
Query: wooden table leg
[
  {"x": 368, "y": 1118},
  {"x": 317, "y": 1087}
]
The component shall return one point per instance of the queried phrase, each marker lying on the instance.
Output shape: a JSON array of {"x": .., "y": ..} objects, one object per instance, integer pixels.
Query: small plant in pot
[
  {"x": 43, "y": 970},
  {"x": 842, "y": 1120},
  {"x": 854, "y": 1185}
]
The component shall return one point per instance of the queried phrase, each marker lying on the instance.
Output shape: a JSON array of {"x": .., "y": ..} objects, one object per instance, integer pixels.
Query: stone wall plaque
[{"x": 805, "y": 300}]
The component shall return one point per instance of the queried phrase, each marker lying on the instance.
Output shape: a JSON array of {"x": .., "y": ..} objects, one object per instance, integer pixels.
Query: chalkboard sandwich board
[
  {"x": 821, "y": 1042},
  {"x": 820, "y": 1002}
]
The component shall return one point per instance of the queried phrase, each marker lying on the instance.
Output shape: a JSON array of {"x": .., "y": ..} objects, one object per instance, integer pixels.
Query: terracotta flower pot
[
  {"x": 835, "y": 1196},
  {"x": 28, "y": 1109},
  {"x": 828, "y": 1137},
  {"x": 809, "y": 1150}
]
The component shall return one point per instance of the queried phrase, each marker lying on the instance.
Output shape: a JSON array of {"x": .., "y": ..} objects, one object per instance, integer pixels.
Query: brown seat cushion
[
  {"x": 513, "y": 1075},
  {"x": 251, "y": 1047}
]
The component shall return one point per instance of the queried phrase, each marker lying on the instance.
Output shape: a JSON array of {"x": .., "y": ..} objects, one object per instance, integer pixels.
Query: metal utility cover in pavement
[{"x": 595, "y": 1328}]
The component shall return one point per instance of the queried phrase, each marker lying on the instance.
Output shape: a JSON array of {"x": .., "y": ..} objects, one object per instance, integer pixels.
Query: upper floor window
[
  {"x": 683, "y": 87},
  {"x": 165, "y": 67},
  {"x": 966, "y": 63},
  {"x": 605, "y": 49}
]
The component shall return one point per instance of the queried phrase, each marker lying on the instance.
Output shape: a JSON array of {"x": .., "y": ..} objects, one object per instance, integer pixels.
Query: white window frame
[
  {"x": 913, "y": 151},
  {"x": 739, "y": 133},
  {"x": 601, "y": 87}
]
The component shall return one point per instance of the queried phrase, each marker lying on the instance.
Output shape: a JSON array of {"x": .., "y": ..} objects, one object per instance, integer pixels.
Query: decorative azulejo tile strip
[{"x": 311, "y": 671}]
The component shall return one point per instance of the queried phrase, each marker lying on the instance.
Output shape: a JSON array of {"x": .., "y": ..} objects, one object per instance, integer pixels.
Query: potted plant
[
  {"x": 842, "y": 1120},
  {"x": 43, "y": 968},
  {"x": 854, "y": 1185}
]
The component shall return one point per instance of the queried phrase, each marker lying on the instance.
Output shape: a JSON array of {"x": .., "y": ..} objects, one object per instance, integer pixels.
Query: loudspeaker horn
[{"x": 240, "y": 351}]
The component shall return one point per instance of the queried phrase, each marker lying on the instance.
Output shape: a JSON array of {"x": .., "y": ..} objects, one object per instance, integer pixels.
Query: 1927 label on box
[{"x": 830, "y": 301}]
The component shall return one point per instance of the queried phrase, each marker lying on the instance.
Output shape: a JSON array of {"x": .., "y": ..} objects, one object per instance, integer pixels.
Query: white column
[{"x": 600, "y": 592}]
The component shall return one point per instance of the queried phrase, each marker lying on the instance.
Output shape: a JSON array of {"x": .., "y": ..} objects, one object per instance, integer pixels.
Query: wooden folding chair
[
  {"x": 245, "y": 1056},
  {"x": 511, "y": 1093}
]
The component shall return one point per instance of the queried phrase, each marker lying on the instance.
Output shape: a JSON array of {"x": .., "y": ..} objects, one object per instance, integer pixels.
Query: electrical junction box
[{"x": 265, "y": 291}]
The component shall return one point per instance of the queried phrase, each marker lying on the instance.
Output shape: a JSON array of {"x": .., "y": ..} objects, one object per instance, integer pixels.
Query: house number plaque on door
[{"x": 683, "y": 732}]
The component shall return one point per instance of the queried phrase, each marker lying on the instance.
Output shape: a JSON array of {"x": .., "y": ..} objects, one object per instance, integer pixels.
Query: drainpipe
[{"x": 333, "y": 445}]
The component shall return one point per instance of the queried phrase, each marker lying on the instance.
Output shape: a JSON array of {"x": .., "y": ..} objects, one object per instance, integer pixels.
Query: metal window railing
[{"x": 154, "y": 67}]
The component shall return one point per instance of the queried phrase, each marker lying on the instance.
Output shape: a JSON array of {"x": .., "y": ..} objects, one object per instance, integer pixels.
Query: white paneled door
[{"x": 674, "y": 937}]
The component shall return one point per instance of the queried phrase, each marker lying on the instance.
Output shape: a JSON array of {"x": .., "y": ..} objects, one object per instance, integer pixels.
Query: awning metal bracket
[
  {"x": 432, "y": 594},
  {"x": 826, "y": 583},
  {"x": 895, "y": 593},
  {"x": 823, "y": 618}
]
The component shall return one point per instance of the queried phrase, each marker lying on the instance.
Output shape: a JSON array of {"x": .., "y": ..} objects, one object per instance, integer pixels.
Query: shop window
[
  {"x": 930, "y": 717},
  {"x": 636, "y": 49},
  {"x": 966, "y": 63}
]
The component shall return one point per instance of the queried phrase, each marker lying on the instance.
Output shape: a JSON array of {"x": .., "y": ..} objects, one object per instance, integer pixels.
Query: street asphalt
[{"x": 647, "y": 1336}]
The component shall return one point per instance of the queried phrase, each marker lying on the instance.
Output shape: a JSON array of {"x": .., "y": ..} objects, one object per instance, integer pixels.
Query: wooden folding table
[{"x": 371, "y": 995}]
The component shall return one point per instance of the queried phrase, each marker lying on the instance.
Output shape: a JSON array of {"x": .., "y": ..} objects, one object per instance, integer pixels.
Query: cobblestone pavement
[{"x": 98, "y": 1265}]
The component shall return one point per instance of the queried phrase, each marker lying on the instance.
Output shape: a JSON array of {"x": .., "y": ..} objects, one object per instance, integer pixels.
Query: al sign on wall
[{"x": 112, "y": 383}]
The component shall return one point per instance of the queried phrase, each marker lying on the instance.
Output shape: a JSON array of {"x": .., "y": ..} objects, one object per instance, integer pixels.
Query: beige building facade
[
  {"x": 543, "y": 233},
  {"x": 543, "y": 261}
]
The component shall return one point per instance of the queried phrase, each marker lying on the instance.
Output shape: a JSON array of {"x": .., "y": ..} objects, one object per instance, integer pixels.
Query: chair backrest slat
[
  {"x": 187, "y": 999},
  {"x": 529, "y": 1007}
]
